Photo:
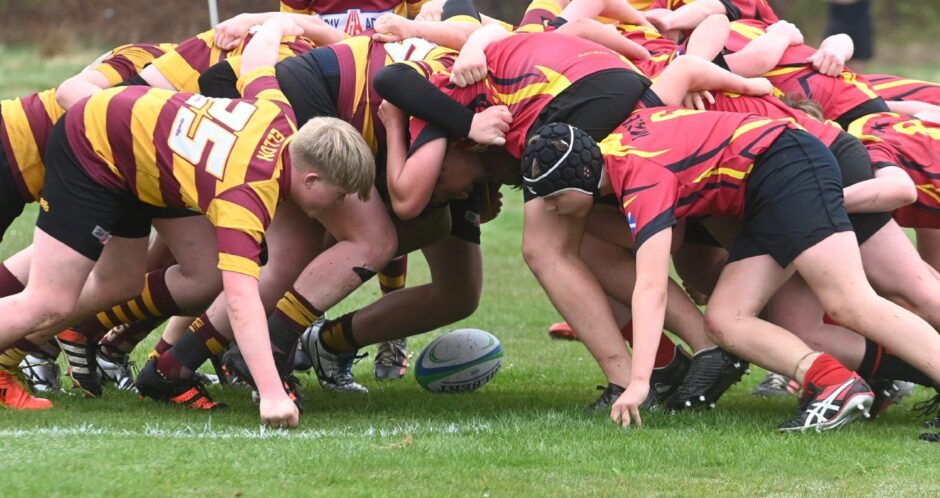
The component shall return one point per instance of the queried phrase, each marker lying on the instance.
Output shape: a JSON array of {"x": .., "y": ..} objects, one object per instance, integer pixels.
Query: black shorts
[
  {"x": 871, "y": 107},
  {"x": 854, "y": 20},
  {"x": 855, "y": 166},
  {"x": 11, "y": 199},
  {"x": 79, "y": 212},
  {"x": 696, "y": 233},
  {"x": 219, "y": 81},
  {"x": 793, "y": 200},
  {"x": 311, "y": 82}
]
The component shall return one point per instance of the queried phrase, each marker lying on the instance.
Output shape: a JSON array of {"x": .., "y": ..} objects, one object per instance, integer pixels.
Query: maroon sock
[
  {"x": 9, "y": 285},
  {"x": 153, "y": 303},
  {"x": 162, "y": 347}
]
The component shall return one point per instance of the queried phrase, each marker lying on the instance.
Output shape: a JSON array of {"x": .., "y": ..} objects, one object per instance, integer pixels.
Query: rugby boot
[{"x": 829, "y": 407}]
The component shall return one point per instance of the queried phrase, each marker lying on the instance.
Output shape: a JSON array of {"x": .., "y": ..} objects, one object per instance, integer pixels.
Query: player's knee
[
  {"x": 460, "y": 303},
  {"x": 719, "y": 324}
]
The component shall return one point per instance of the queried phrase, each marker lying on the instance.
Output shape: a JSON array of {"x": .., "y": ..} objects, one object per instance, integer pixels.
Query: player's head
[
  {"x": 562, "y": 165},
  {"x": 330, "y": 160},
  {"x": 809, "y": 106},
  {"x": 460, "y": 171}
]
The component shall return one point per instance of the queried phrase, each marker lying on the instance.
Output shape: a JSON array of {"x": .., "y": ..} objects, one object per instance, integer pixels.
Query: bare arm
[
  {"x": 470, "y": 66},
  {"x": 764, "y": 53},
  {"x": 410, "y": 179},
  {"x": 890, "y": 189},
  {"x": 250, "y": 326},
  {"x": 690, "y": 74},
  {"x": 262, "y": 50},
  {"x": 605, "y": 35},
  {"x": 618, "y": 10},
  {"x": 832, "y": 55},
  {"x": 83, "y": 84},
  {"x": 709, "y": 38},
  {"x": 450, "y": 34},
  {"x": 689, "y": 16},
  {"x": 911, "y": 107}
]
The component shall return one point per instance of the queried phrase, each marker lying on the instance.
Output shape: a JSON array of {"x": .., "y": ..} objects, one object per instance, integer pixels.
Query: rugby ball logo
[{"x": 459, "y": 361}]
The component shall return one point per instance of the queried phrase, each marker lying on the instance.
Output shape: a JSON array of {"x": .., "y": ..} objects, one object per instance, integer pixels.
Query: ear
[{"x": 311, "y": 178}]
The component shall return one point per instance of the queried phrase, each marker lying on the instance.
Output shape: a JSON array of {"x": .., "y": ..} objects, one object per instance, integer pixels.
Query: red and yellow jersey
[
  {"x": 772, "y": 107},
  {"x": 360, "y": 58},
  {"x": 794, "y": 76},
  {"x": 128, "y": 61},
  {"x": 914, "y": 146},
  {"x": 183, "y": 65},
  {"x": 225, "y": 158},
  {"x": 662, "y": 50},
  {"x": 537, "y": 15},
  {"x": 352, "y": 17},
  {"x": 660, "y": 172},
  {"x": 736, "y": 9},
  {"x": 642, "y": 4},
  {"x": 525, "y": 72},
  {"x": 898, "y": 88}
]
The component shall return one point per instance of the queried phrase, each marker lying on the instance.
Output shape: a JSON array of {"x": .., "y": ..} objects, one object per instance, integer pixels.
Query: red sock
[
  {"x": 826, "y": 371},
  {"x": 9, "y": 285},
  {"x": 664, "y": 354}
]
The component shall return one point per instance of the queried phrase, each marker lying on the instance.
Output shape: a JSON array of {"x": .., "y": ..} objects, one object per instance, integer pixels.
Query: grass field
[{"x": 524, "y": 434}]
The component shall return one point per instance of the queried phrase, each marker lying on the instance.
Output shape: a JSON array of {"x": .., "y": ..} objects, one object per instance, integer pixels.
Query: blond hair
[{"x": 337, "y": 151}]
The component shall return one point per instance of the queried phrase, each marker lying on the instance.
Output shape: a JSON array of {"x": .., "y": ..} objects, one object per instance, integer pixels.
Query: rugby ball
[{"x": 459, "y": 361}]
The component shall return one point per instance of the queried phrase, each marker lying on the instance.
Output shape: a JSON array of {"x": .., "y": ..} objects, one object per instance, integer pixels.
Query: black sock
[{"x": 878, "y": 363}]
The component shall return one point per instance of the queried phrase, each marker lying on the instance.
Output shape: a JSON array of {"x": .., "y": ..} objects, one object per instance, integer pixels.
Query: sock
[
  {"x": 392, "y": 277},
  {"x": 664, "y": 354},
  {"x": 879, "y": 363},
  {"x": 296, "y": 313},
  {"x": 122, "y": 340},
  {"x": 154, "y": 302},
  {"x": 284, "y": 338},
  {"x": 826, "y": 371},
  {"x": 192, "y": 350},
  {"x": 9, "y": 285},
  {"x": 336, "y": 335},
  {"x": 161, "y": 347},
  {"x": 12, "y": 355}
]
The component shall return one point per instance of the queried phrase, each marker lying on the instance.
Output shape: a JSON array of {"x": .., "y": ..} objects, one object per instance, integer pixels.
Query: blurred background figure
[{"x": 853, "y": 17}]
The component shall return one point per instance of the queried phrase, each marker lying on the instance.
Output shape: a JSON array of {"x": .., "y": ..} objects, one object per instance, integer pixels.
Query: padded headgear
[{"x": 560, "y": 157}]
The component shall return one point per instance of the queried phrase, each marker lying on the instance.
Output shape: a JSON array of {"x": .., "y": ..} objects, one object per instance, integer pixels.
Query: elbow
[
  {"x": 387, "y": 80},
  {"x": 406, "y": 209},
  {"x": 906, "y": 193}
]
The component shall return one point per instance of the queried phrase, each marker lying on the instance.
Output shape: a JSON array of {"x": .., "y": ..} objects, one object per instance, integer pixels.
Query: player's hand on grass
[
  {"x": 431, "y": 11},
  {"x": 827, "y": 62},
  {"x": 391, "y": 28},
  {"x": 469, "y": 68},
  {"x": 489, "y": 127},
  {"x": 697, "y": 100},
  {"x": 280, "y": 412},
  {"x": 626, "y": 409},
  {"x": 787, "y": 30}
]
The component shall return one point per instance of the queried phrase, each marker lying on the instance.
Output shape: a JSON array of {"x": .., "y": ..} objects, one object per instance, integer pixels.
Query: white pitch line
[{"x": 207, "y": 432}]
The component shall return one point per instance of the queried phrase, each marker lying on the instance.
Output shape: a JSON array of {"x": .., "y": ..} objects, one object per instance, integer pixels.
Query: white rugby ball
[{"x": 459, "y": 361}]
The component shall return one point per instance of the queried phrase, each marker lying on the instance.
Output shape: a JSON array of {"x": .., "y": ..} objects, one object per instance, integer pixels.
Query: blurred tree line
[{"x": 55, "y": 25}]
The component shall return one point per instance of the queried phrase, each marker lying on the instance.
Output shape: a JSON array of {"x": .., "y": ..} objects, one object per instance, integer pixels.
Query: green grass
[{"x": 524, "y": 434}]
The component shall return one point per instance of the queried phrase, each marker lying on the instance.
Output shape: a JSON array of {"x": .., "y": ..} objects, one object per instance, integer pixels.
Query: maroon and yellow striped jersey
[
  {"x": 353, "y": 17},
  {"x": 772, "y": 107},
  {"x": 525, "y": 72},
  {"x": 27, "y": 121},
  {"x": 128, "y": 61},
  {"x": 225, "y": 158},
  {"x": 537, "y": 15},
  {"x": 662, "y": 50},
  {"x": 183, "y": 65},
  {"x": 899, "y": 88},
  {"x": 914, "y": 146},
  {"x": 795, "y": 76},
  {"x": 660, "y": 172},
  {"x": 736, "y": 9},
  {"x": 360, "y": 58}
]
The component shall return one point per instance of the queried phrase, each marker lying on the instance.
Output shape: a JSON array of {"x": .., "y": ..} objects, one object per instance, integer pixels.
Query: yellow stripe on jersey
[
  {"x": 852, "y": 79},
  {"x": 733, "y": 173},
  {"x": 26, "y": 151},
  {"x": 137, "y": 55},
  {"x": 268, "y": 191},
  {"x": 225, "y": 214},
  {"x": 556, "y": 84},
  {"x": 269, "y": 94},
  {"x": 748, "y": 127},
  {"x": 98, "y": 135},
  {"x": 238, "y": 264},
  {"x": 177, "y": 70},
  {"x": 613, "y": 146},
  {"x": 857, "y": 127},
  {"x": 142, "y": 126},
  {"x": 464, "y": 18},
  {"x": 749, "y": 32}
]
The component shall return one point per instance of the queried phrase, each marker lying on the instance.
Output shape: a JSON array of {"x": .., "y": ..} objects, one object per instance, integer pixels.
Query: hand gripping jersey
[
  {"x": 662, "y": 50},
  {"x": 352, "y": 17},
  {"x": 736, "y": 9},
  {"x": 183, "y": 65},
  {"x": 224, "y": 158},
  {"x": 27, "y": 121},
  {"x": 360, "y": 58},
  {"x": 914, "y": 146},
  {"x": 898, "y": 88},
  {"x": 525, "y": 72},
  {"x": 794, "y": 76},
  {"x": 660, "y": 172}
]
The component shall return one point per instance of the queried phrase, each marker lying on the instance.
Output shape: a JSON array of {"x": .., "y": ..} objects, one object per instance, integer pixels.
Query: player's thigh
[
  {"x": 743, "y": 289},
  {"x": 893, "y": 265},
  {"x": 833, "y": 269},
  {"x": 191, "y": 240},
  {"x": 928, "y": 245},
  {"x": 57, "y": 270}
]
